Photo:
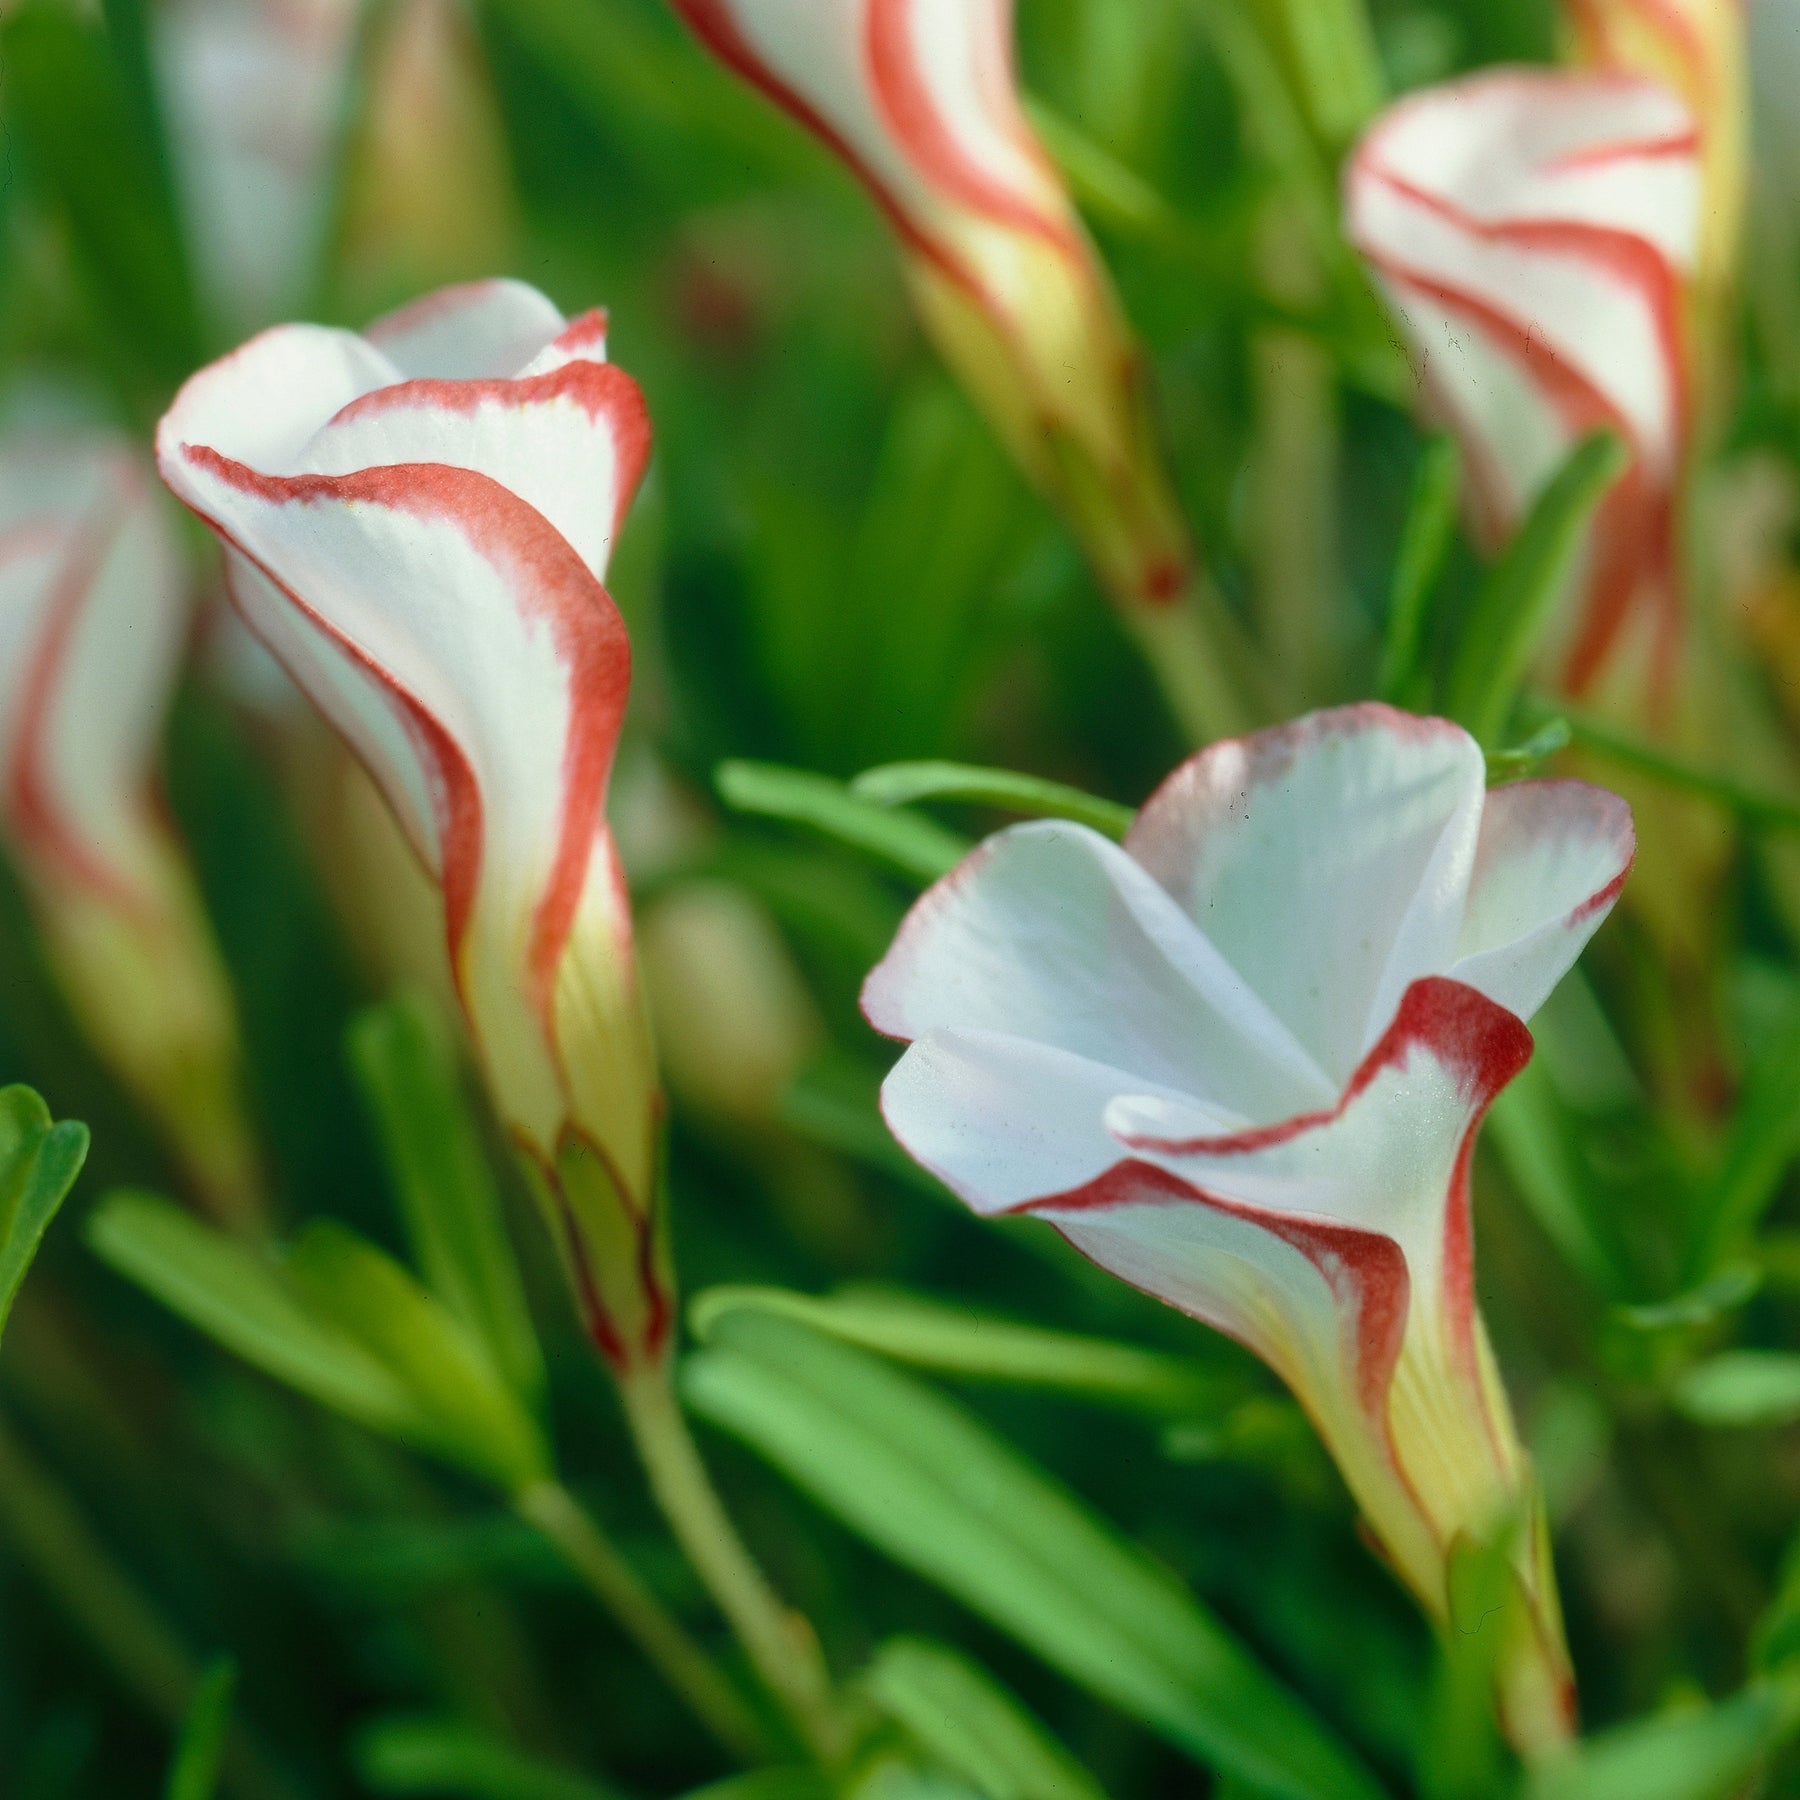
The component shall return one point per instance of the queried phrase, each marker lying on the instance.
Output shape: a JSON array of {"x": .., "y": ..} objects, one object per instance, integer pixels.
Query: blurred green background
[{"x": 833, "y": 566}]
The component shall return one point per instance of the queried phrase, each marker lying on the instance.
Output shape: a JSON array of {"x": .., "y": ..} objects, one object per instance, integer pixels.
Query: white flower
[
  {"x": 1241, "y": 1062},
  {"x": 417, "y": 522}
]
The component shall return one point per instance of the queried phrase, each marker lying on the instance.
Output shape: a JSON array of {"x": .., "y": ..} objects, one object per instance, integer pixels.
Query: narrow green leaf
[
  {"x": 952, "y": 1340},
  {"x": 899, "y": 784},
  {"x": 1523, "y": 758},
  {"x": 1527, "y": 1130},
  {"x": 200, "y": 1749},
  {"x": 957, "y": 1713},
  {"x": 1706, "y": 1754},
  {"x": 39, "y": 1161},
  {"x": 926, "y": 1482},
  {"x": 406, "y": 1066},
  {"x": 244, "y": 1302},
  {"x": 462, "y": 1406},
  {"x": 904, "y": 840},
  {"x": 1425, "y": 541},
  {"x": 444, "y": 1757},
  {"x": 1524, "y": 588},
  {"x": 1763, "y": 1143},
  {"x": 1742, "y": 1388},
  {"x": 767, "y": 1784}
]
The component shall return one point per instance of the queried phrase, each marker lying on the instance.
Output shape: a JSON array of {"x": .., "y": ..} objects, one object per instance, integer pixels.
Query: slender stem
[
  {"x": 48, "y": 1530},
  {"x": 684, "y": 1665},
  {"x": 777, "y": 1640},
  {"x": 1205, "y": 669}
]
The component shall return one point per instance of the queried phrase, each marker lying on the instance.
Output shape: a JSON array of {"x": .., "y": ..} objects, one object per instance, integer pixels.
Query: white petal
[
  {"x": 572, "y": 442},
  {"x": 480, "y": 329},
  {"x": 1386, "y": 1158},
  {"x": 476, "y": 637},
  {"x": 1328, "y": 861},
  {"x": 264, "y": 402},
  {"x": 1002, "y": 1121},
  {"x": 1051, "y": 933},
  {"x": 917, "y": 94},
  {"x": 93, "y": 618},
  {"x": 1552, "y": 859}
]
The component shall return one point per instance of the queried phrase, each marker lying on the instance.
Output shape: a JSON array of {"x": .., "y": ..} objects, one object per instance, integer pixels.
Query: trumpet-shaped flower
[
  {"x": 1696, "y": 47},
  {"x": 417, "y": 522},
  {"x": 1241, "y": 1062},
  {"x": 918, "y": 98},
  {"x": 1535, "y": 233},
  {"x": 93, "y": 617}
]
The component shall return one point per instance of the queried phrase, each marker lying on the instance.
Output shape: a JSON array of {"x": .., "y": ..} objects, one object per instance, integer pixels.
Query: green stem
[
  {"x": 684, "y": 1665},
  {"x": 47, "y": 1529},
  {"x": 779, "y": 1642},
  {"x": 1202, "y": 663}
]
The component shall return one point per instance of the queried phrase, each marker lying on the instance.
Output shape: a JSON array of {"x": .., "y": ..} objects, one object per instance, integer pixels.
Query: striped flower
[
  {"x": 417, "y": 523},
  {"x": 1241, "y": 1062},
  {"x": 1535, "y": 233},
  {"x": 918, "y": 99},
  {"x": 1698, "y": 48},
  {"x": 93, "y": 619}
]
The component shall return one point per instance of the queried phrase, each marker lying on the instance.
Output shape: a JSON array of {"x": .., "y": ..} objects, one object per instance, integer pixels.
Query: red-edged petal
[
  {"x": 470, "y": 656},
  {"x": 917, "y": 96},
  {"x": 1327, "y": 860},
  {"x": 572, "y": 442},
  {"x": 1535, "y": 231},
  {"x": 1050, "y": 933},
  {"x": 93, "y": 616},
  {"x": 1551, "y": 863}
]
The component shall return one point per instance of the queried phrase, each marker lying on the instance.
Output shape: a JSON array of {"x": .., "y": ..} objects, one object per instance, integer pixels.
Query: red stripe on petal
[
  {"x": 918, "y": 123},
  {"x": 1479, "y": 1041},
  {"x": 551, "y": 584},
  {"x": 30, "y": 806}
]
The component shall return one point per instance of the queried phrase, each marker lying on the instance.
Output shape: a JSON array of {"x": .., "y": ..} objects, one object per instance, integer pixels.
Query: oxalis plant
[{"x": 1020, "y": 1023}]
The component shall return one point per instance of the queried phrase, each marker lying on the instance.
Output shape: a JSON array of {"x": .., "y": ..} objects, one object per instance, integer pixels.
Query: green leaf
[
  {"x": 1524, "y": 588},
  {"x": 767, "y": 1784},
  {"x": 931, "y": 1486},
  {"x": 899, "y": 784},
  {"x": 1425, "y": 541},
  {"x": 1707, "y": 1754},
  {"x": 1527, "y": 1129},
  {"x": 340, "y": 1321},
  {"x": 906, "y": 841},
  {"x": 462, "y": 1406},
  {"x": 39, "y": 1161},
  {"x": 446, "y": 1757},
  {"x": 406, "y": 1066},
  {"x": 962, "y": 1717},
  {"x": 1742, "y": 1388},
  {"x": 1763, "y": 1141},
  {"x": 200, "y": 1749},
  {"x": 952, "y": 1340},
  {"x": 89, "y": 152},
  {"x": 243, "y": 1301}
]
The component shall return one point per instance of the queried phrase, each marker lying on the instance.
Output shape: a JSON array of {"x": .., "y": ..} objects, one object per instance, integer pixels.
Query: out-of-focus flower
[
  {"x": 1696, "y": 47},
  {"x": 254, "y": 92},
  {"x": 1241, "y": 1062},
  {"x": 1535, "y": 233},
  {"x": 918, "y": 98},
  {"x": 417, "y": 523},
  {"x": 93, "y": 618}
]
